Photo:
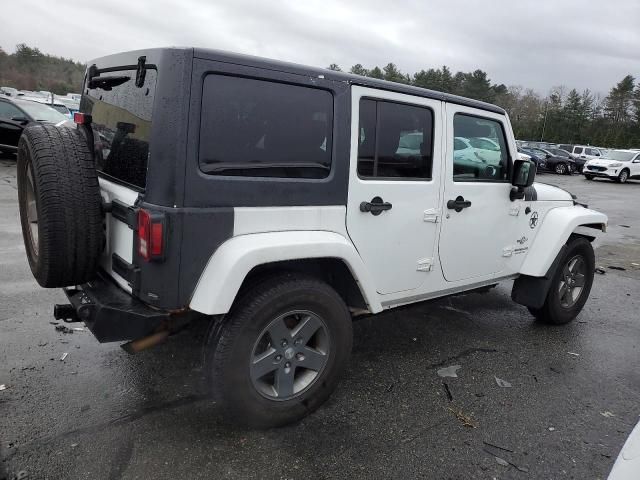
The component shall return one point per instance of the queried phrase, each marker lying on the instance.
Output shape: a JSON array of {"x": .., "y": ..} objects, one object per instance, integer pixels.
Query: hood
[
  {"x": 551, "y": 193},
  {"x": 604, "y": 162}
]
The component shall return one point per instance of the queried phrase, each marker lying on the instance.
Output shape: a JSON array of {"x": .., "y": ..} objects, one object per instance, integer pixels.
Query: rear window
[
  {"x": 260, "y": 128},
  {"x": 121, "y": 114}
]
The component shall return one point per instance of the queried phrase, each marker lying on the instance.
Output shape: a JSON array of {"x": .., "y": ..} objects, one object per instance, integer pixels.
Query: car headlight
[{"x": 616, "y": 164}]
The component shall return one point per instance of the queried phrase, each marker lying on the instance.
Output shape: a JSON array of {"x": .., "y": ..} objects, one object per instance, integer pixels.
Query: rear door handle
[
  {"x": 458, "y": 204},
  {"x": 375, "y": 207}
]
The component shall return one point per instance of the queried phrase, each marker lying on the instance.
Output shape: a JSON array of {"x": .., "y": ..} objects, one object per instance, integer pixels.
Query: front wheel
[
  {"x": 589, "y": 177},
  {"x": 280, "y": 352},
  {"x": 623, "y": 177},
  {"x": 570, "y": 285},
  {"x": 561, "y": 169}
]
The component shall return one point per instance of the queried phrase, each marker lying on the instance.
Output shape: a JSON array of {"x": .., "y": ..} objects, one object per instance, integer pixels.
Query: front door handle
[
  {"x": 458, "y": 204},
  {"x": 375, "y": 207}
]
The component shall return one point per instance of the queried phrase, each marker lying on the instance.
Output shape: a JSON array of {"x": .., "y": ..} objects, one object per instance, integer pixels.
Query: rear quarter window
[
  {"x": 260, "y": 128},
  {"x": 121, "y": 119}
]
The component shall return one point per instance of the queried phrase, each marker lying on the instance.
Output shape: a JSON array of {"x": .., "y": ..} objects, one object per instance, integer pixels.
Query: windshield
[
  {"x": 620, "y": 155},
  {"x": 41, "y": 112},
  {"x": 60, "y": 108}
]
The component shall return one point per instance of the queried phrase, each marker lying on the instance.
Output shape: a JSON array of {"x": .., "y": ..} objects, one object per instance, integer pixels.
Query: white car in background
[
  {"x": 619, "y": 165},
  {"x": 480, "y": 150}
]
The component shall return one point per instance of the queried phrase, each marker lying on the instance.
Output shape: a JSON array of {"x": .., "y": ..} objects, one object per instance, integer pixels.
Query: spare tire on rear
[{"x": 60, "y": 205}]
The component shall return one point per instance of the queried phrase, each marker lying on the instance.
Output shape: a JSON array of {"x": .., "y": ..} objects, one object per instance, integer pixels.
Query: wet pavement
[{"x": 574, "y": 395}]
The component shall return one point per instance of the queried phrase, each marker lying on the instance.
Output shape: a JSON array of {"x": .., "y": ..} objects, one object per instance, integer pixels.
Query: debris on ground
[
  {"x": 42, "y": 344},
  {"x": 502, "y": 383},
  {"x": 552, "y": 429},
  {"x": 615, "y": 267},
  {"x": 78, "y": 329},
  {"x": 447, "y": 391},
  {"x": 64, "y": 356},
  {"x": 449, "y": 371},
  {"x": 607, "y": 414},
  {"x": 466, "y": 420},
  {"x": 600, "y": 270},
  {"x": 63, "y": 329},
  {"x": 502, "y": 461},
  {"x": 3, "y": 387},
  {"x": 634, "y": 264},
  {"x": 497, "y": 446},
  {"x": 574, "y": 354},
  {"x": 625, "y": 226}
]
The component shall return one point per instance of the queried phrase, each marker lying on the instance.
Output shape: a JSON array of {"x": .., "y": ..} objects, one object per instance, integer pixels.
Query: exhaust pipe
[{"x": 144, "y": 343}]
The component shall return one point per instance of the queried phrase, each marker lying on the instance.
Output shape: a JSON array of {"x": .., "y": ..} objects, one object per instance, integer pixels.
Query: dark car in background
[
  {"x": 536, "y": 157},
  {"x": 16, "y": 114},
  {"x": 557, "y": 160}
]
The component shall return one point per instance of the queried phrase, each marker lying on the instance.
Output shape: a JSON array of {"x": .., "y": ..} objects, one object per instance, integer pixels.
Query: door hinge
[
  {"x": 425, "y": 265},
  {"x": 507, "y": 251},
  {"x": 514, "y": 210},
  {"x": 431, "y": 215}
]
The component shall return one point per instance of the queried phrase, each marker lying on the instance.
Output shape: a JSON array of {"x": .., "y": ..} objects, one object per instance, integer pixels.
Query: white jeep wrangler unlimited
[{"x": 281, "y": 201}]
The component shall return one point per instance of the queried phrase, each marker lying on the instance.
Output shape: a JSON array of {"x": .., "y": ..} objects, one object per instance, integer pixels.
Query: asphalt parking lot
[{"x": 574, "y": 395}]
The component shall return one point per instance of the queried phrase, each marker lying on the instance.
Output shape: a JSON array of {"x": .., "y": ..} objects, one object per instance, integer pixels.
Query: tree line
[
  {"x": 563, "y": 116},
  {"x": 30, "y": 69}
]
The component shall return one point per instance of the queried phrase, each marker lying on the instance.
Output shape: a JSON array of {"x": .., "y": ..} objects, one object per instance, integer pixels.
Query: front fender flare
[
  {"x": 557, "y": 225},
  {"x": 233, "y": 260}
]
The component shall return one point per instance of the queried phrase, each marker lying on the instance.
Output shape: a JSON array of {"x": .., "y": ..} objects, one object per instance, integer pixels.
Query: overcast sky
[{"x": 534, "y": 43}]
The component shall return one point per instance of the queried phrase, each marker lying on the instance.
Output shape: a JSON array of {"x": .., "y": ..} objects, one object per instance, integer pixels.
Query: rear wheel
[
  {"x": 561, "y": 169},
  {"x": 570, "y": 285},
  {"x": 280, "y": 352},
  {"x": 623, "y": 177}
]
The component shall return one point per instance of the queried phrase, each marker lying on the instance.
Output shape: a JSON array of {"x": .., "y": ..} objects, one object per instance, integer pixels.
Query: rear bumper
[{"x": 112, "y": 314}]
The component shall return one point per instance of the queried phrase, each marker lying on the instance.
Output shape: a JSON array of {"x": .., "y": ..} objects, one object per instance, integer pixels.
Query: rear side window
[
  {"x": 9, "y": 111},
  {"x": 396, "y": 140},
  {"x": 260, "y": 128},
  {"x": 577, "y": 150},
  {"x": 487, "y": 158},
  {"x": 121, "y": 118}
]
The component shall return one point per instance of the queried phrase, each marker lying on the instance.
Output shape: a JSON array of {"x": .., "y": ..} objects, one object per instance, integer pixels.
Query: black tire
[
  {"x": 231, "y": 347},
  {"x": 623, "y": 176},
  {"x": 560, "y": 169},
  {"x": 553, "y": 312},
  {"x": 56, "y": 173},
  {"x": 589, "y": 177}
]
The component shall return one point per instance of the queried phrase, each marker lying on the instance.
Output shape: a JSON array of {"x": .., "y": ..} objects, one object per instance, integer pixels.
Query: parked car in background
[
  {"x": 9, "y": 91},
  {"x": 584, "y": 152},
  {"x": 16, "y": 114},
  {"x": 620, "y": 166},
  {"x": 56, "y": 104},
  {"x": 536, "y": 157},
  {"x": 557, "y": 160}
]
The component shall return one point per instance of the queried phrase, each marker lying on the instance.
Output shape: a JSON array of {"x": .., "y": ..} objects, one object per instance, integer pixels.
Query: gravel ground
[{"x": 575, "y": 394}]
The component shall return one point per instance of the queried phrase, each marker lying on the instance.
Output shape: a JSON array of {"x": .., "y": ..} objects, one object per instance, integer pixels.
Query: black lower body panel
[{"x": 112, "y": 314}]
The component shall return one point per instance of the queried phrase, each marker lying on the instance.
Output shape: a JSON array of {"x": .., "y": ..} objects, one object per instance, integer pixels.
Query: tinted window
[
  {"x": 396, "y": 140},
  {"x": 9, "y": 111},
  {"x": 121, "y": 120},
  {"x": 265, "y": 129},
  {"x": 488, "y": 157},
  {"x": 577, "y": 150}
]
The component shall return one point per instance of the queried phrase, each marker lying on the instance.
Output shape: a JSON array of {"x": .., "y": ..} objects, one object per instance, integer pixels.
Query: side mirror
[
  {"x": 524, "y": 172},
  {"x": 22, "y": 120}
]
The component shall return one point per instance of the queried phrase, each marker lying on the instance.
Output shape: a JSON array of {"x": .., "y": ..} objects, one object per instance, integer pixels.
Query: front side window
[
  {"x": 8, "y": 111},
  {"x": 396, "y": 140},
  {"x": 487, "y": 157},
  {"x": 260, "y": 128}
]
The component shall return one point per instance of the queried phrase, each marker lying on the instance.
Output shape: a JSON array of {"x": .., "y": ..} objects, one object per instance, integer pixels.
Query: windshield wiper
[
  {"x": 219, "y": 167},
  {"x": 107, "y": 83}
]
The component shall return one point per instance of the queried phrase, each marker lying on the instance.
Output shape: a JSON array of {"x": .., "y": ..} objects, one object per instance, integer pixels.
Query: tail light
[
  {"x": 151, "y": 235},
  {"x": 81, "y": 118}
]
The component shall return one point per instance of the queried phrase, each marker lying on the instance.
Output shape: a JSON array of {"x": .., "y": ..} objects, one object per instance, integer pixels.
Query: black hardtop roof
[{"x": 293, "y": 68}]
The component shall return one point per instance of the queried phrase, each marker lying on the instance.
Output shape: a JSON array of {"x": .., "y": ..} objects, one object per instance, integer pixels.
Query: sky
[{"x": 534, "y": 43}]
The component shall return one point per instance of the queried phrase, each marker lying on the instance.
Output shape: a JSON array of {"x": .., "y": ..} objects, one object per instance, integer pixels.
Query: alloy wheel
[
  {"x": 572, "y": 281},
  {"x": 32, "y": 212},
  {"x": 289, "y": 355}
]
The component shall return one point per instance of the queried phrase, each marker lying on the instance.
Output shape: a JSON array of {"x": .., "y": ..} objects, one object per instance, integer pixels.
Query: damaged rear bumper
[{"x": 110, "y": 313}]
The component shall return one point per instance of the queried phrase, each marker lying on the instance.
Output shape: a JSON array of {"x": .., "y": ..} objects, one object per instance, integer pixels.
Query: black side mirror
[
  {"x": 524, "y": 172},
  {"x": 22, "y": 120}
]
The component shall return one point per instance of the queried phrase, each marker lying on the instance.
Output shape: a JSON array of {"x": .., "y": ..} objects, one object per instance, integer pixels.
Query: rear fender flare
[{"x": 233, "y": 260}]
